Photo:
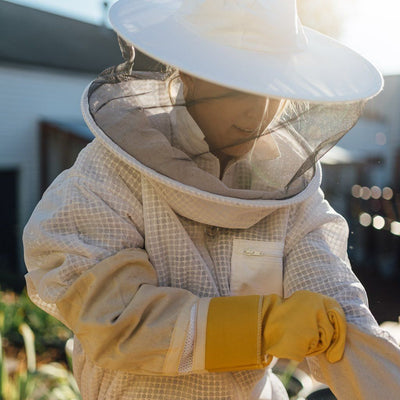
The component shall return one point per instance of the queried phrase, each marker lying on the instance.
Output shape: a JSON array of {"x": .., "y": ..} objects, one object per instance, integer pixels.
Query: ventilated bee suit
[{"x": 131, "y": 245}]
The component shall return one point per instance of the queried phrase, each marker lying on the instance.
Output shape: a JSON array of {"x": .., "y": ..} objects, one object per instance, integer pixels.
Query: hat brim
[{"x": 326, "y": 71}]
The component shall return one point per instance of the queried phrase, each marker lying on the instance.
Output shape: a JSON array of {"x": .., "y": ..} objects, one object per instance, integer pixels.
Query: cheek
[{"x": 214, "y": 121}]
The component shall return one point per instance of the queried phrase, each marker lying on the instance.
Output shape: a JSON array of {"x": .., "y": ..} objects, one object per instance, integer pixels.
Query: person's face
[{"x": 229, "y": 119}]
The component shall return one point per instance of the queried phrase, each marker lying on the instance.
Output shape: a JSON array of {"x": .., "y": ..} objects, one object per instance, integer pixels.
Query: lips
[{"x": 245, "y": 130}]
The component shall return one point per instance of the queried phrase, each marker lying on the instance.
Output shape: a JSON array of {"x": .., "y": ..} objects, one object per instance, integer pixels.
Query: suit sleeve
[
  {"x": 316, "y": 260},
  {"x": 87, "y": 267}
]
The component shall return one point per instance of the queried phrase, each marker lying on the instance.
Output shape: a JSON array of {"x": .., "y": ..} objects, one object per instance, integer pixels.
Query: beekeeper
[{"x": 190, "y": 245}]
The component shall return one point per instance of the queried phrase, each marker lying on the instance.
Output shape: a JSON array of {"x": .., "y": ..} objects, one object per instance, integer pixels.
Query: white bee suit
[{"x": 128, "y": 246}]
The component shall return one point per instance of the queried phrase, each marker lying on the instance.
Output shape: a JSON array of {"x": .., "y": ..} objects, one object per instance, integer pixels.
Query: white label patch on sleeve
[{"x": 256, "y": 267}]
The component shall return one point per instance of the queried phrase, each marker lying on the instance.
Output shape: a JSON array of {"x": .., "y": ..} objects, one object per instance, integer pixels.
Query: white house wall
[
  {"x": 386, "y": 108},
  {"x": 27, "y": 96},
  {"x": 378, "y": 132},
  {"x": 362, "y": 142}
]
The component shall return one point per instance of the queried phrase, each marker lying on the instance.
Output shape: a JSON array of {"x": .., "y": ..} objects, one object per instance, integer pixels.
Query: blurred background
[{"x": 50, "y": 51}]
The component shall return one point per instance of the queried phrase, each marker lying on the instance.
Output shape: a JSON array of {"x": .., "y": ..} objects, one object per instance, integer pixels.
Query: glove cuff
[{"x": 233, "y": 335}]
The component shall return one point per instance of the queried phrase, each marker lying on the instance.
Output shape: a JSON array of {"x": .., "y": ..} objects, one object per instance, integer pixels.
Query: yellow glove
[
  {"x": 305, "y": 324},
  {"x": 244, "y": 332}
]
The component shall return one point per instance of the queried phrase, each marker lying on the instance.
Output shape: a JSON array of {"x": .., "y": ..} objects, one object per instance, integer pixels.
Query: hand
[{"x": 302, "y": 325}]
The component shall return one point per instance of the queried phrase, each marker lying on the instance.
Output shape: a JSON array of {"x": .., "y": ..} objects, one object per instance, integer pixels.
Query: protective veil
[{"x": 145, "y": 114}]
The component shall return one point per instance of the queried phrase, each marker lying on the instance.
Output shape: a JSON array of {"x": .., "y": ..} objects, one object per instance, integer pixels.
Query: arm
[
  {"x": 87, "y": 267},
  {"x": 316, "y": 260}
]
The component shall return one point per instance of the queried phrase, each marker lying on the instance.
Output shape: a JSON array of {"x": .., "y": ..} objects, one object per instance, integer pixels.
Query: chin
[{"x": 239, "y": 150}]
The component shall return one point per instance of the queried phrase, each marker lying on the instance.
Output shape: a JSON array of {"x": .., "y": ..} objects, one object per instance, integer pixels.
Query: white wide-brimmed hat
[{"x": 256, "y": 46}]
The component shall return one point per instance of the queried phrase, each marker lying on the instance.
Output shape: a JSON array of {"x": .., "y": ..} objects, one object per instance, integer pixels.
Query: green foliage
[
  {"x": 17, "y": 310},
  {"x": 23, "y": 325},
  {"x": 48, "y": 382}
]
